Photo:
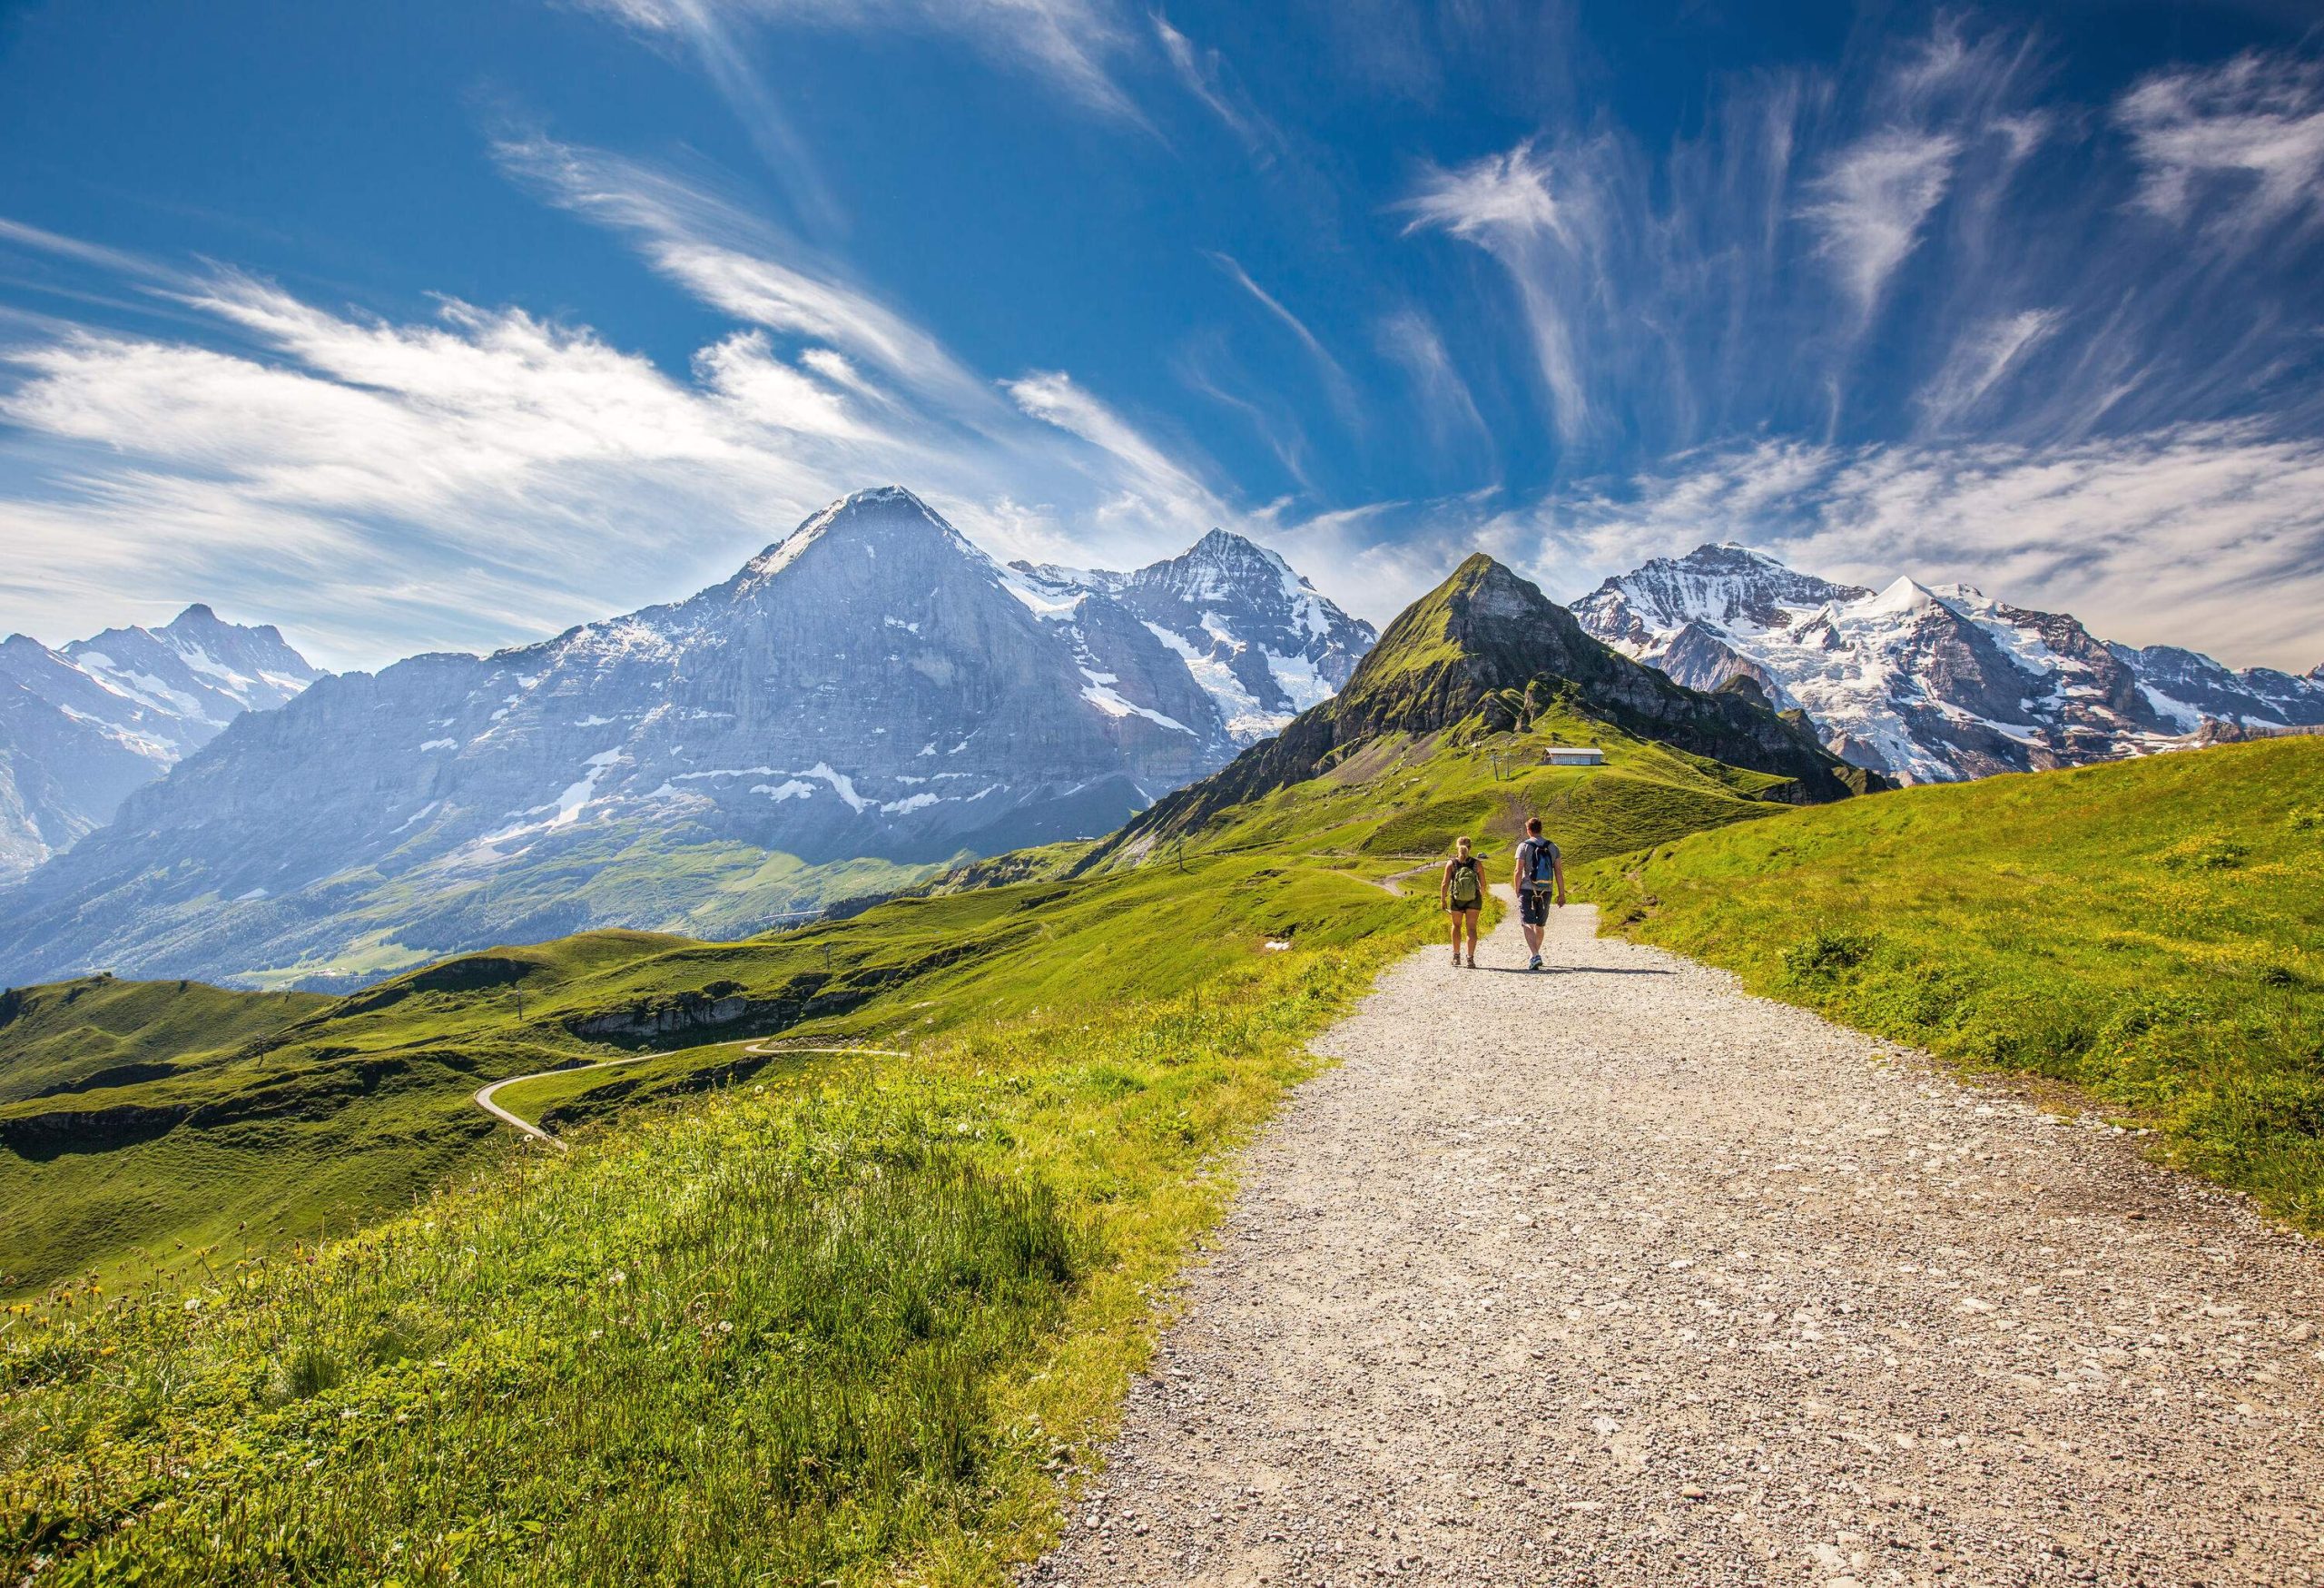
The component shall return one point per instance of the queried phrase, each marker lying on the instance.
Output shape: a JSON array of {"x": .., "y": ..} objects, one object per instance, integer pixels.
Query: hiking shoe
[
  {"x": 1472, "y": 962},
  {"x": 1536, "y": 964}
]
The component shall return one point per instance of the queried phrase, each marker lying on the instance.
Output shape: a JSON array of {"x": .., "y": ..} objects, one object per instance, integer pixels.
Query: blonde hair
[{"x": 1462, "y": 845}]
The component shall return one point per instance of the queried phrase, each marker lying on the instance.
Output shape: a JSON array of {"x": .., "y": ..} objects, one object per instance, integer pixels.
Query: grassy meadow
[
  {"x": 2151, "y": 932},
  {"x": 830, "y": 1324},
  {"x": 782, "y": 1316}
]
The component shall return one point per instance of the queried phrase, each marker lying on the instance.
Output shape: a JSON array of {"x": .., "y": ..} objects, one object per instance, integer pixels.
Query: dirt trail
[
  {"x": 485, "y": 1095},
  {"x": 1615, "y": 1274}
]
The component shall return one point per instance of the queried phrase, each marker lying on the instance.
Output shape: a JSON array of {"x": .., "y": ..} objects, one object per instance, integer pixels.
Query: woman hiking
[{"x": 1462, "y": 892}]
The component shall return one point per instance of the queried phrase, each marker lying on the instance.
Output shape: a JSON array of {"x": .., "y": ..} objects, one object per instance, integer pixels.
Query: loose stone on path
[{"x": 1614, "y": 1274}]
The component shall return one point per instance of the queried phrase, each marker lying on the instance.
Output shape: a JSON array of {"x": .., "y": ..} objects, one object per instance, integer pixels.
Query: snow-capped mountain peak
[
  {"x": 87, "y": 724},
  {"x": 1259, "y": 639},
  {"x": 1928, "y": 683}
]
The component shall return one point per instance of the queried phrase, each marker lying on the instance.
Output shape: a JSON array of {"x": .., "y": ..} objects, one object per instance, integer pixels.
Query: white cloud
[
  {"x": 1155, "y": 484},
  {"x": 1335, "y": 382},
  {"x": 1203, "y": 73},
  {"x": 1508, "y": 205},
  {"x": 739, "y": 263},
  {"x": 1447, "y": 406},
  {"x": 1979, "y": 361},
  {"x": 1491, "y": 199},
  {"x": 486, "y": 477},
  {"x": 1870, "y": 202},
  {"x": 2248, "y": 136},
  {"x": 1070, "y": 43}
]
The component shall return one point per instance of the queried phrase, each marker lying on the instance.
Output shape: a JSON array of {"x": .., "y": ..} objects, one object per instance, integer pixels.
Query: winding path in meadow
[
  {"x": 1617, "y": 1275},
  {"x": 485, "y": 1095}
]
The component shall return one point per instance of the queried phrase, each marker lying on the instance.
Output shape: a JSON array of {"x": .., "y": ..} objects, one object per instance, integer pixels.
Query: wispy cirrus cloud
[
  {"x": 1870, "y": 201},
  {"x": 1154, "y": 486},
  {"x": 739, "y": 262},
  {"x": 485, "y": 476},
  {"x": 1448, "y": 408},
  {"x": 1072, "y": 44},
  {"x": 1336, "y": 384},
  {"x": 1518, "y": 207},
  {"x": 2242, "y": 142},
  {"x": 1980, "y": 362},
  {"x": 1206, "y": 74}
]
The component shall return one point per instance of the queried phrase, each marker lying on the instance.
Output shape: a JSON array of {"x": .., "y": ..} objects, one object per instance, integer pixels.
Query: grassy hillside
[
  {"x": 2152, "y": 931},
  {"x": 826, "y": 1320},
  {"x": 349, "y": 1110},
  {"x": 96, "y": 1031}
]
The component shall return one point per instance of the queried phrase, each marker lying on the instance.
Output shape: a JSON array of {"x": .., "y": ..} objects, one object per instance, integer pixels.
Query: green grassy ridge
[
  {"x": 363, "y": 1102},
  {"x": 1410, "y": 795},
  {"x": 807, "y": 1329},
  {"x": 72, "y": 1035},
  {"x": 2151, "y": 932}
]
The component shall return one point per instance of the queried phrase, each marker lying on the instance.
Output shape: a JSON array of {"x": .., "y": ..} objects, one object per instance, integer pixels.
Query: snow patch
[{"x": 577, "y": 795}]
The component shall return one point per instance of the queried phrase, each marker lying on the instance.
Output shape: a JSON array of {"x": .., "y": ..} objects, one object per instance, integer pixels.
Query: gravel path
[{"x": 1616, "y": 1275}]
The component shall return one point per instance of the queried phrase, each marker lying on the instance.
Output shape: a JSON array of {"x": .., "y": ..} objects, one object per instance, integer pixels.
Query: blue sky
[{"x": 451, "y": 323}]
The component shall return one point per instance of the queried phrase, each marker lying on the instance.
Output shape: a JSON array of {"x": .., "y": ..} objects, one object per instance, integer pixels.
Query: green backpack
[{"x": 1466, "y": 893}]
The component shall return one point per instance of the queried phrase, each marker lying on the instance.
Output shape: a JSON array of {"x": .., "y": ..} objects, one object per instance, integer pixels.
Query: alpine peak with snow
[
  {"x": 1930, "y": 684},
  {"x": 871, "y": 688},
  {"x": 82, "y": 725},
  {"x": 1256, "y": 637}
]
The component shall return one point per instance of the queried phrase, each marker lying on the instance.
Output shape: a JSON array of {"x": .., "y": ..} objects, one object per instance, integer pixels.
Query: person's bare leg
[
  {"x": 1473, "y": 937},
  {"x": 1454, "y": 916}
]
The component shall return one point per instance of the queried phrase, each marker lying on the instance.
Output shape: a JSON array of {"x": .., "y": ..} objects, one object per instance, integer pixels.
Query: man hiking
[
  {"x": 1539, "y": 871},
  {"x": 1462, "y": 892}
]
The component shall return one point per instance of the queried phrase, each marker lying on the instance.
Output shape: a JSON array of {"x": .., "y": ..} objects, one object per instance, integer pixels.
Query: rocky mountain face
[
  {"x": 1257, "y": 638},
  {"x": 872, "y": 686},
  {"x": 82, "y": 726},
  {"x": 1930, "y": 685},
  {"x": 1486, "y": 649}
]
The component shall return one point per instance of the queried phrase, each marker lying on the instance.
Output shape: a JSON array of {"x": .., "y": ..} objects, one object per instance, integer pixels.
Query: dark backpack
[{"x": 1467, "y": 894}]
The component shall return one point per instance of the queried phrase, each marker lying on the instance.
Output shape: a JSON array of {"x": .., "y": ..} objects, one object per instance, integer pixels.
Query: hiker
[
  {"x": 1540, "y": 869},
  {"x": 1462, "y": 892}
]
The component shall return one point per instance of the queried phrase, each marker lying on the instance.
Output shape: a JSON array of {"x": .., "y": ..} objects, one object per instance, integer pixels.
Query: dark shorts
[{"x": 1533, "y": 906}]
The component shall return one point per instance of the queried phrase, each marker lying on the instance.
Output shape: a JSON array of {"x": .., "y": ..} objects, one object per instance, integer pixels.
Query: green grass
[
  {"x": 804, "y": 1319},
  {"x": 2150, "y": 931},
  {"x": 97, "y": 1032},
  {"x": 831, "y": 1320}
]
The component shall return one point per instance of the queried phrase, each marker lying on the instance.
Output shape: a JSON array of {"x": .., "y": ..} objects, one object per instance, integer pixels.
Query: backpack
[
  {"x": 1541, "y": 862},
  {"x": 1466, "y": 893}
]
